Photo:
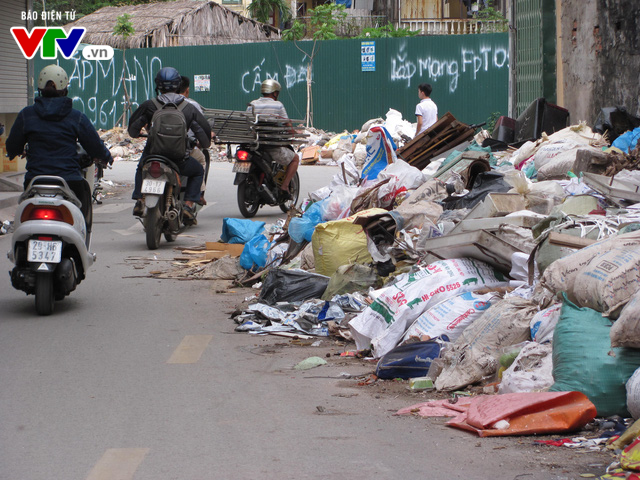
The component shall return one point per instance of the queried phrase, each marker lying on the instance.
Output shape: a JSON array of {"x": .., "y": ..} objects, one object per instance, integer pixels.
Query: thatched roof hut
[{"x": 172, "y": 24}]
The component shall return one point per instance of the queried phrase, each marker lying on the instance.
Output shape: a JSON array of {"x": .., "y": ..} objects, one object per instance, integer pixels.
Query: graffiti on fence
[
  {"x": 251, "y": 80},
  {"x": 431, "y": 68},
  {"x": 103, "y": 84}
]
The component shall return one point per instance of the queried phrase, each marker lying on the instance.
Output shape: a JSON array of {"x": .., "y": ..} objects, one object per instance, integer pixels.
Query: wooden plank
[
  {"x": 565, "y": 240},
  {"x": 234, "y": 249}
]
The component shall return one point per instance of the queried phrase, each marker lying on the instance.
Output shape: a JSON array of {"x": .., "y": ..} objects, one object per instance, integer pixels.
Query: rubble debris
[
  {"x": 481, "y": 253},
  {"x": 445, "y": 134}
]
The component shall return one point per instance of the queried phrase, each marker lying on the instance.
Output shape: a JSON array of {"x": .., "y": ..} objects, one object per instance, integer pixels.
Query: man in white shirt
[{"x": 426, "y": 110}]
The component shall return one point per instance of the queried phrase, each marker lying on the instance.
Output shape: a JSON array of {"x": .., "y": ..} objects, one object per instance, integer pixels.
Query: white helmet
[
  {"x": 270, "y": 86},
  {"x": 55, "y": 74}
]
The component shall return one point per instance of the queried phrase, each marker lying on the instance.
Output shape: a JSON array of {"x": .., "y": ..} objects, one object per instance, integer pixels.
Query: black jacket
[
  {"x": 52, "y": 129},
  {"x": 195, "y": 120}
]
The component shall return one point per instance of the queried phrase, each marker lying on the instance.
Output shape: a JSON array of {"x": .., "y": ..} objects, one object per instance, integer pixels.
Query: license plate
[
  {"x": 44, "y": 251},
  {"x": 153, "y": 186},
  {"x": 241, "y": 167}
]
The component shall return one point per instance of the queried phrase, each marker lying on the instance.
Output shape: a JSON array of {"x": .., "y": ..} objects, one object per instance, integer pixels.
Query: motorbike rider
[
  {"x": 268, "y": 104},
  {"x": 167, "y": 82},
  {"x": 52, "y": 128}
]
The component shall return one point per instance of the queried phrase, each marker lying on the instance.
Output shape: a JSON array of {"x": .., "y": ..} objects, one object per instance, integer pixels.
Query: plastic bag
[
  {"x": 338, "y": 204},
  {"x": 237, "y": 230},
  {"x": 530, "y": 371},
  {"x": 302, "y": 228},
  {"x": 350, "y": 278},
  {"x": 411, "y": 360},
  {"x": 254, "y": 254},
  {"x": 292, "y": 286}
]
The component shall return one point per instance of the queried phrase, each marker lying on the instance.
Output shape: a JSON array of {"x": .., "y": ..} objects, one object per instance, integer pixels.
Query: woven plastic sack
[{"x": 582, "y": 360}]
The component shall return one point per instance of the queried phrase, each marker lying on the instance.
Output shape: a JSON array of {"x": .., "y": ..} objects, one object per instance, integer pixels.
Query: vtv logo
[{"x": 50, "y": 40}]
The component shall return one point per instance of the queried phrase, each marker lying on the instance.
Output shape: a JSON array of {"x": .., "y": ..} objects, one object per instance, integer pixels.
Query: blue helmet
[{"x": 168, "y": 79}]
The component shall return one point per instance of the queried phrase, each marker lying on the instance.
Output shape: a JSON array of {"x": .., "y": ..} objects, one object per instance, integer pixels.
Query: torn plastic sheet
[
  {"x": 308, "y": 319},
  {"x": 350, "y": 302}
]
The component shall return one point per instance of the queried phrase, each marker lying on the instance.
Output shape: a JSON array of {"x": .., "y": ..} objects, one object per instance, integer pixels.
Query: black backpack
[{"x": 168, "y": 131}]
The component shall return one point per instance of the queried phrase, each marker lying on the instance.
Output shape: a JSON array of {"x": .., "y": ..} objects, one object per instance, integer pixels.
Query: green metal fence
[
  {"x": 536, "y": 52},
  {"x": 469, "y": 75}
]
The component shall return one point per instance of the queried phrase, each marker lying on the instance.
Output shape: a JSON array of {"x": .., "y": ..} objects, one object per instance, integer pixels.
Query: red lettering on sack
[{"x": 457, "y": 321}]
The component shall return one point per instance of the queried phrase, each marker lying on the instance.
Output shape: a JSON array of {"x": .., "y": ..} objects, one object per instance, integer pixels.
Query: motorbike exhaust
[
  {"x": 264, "y": 190},
  {"x": 66, "y": 276},
  {"x": 173, "y": 219}
]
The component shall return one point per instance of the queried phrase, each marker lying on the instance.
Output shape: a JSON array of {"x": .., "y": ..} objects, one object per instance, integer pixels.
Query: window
[{"x": 231, "y": 2}]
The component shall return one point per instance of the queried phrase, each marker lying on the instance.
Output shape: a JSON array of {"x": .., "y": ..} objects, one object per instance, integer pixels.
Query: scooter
[
  {"x": 163, "y": 192},
  {"x": 50, "y": 244},
  {"x": 258, "y": 178}
]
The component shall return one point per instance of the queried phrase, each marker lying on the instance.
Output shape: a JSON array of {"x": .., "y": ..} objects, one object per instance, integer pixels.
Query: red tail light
[
  {"x": 242, "y": 155},
  {"x": 155, "y": 169},
  {"x": 57, "y": 214}
]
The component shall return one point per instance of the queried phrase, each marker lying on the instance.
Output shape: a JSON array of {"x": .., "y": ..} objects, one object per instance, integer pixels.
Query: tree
[
  {"x": 324, "y": 19},
  {"x": 124, "y": 28},
  {"x": 261, "y": 10}
]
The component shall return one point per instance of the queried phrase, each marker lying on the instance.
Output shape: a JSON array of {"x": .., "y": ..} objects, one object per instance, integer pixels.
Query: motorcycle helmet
[
  {"x": 168, "y": 79},
  {"x": 270, "y": 86},
  {"x": 55, "y": 74}
]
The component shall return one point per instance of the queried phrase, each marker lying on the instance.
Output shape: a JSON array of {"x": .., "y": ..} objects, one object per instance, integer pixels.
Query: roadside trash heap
[{"x": 513, "y": 267}]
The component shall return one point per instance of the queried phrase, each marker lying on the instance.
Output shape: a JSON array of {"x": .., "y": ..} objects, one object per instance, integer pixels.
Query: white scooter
[{"x": 50, "y": 244}]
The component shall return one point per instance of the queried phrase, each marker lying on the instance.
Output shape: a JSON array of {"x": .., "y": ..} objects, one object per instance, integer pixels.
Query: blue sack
[
  {"x": 627, "y": 141},
  {"x": 237, "y": 230},
  {"x": 302, "y": 228},
  {"x": 254, "y": 254},
  {"x": 381, "y": 151},
  {"x": 410, "y": 360}
]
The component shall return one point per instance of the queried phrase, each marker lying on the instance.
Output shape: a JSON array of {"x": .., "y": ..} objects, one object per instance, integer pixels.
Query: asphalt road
[{"x": 135, "y": 378}]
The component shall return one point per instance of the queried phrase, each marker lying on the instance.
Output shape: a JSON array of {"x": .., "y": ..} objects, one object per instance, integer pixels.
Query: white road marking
[
  {"x": 118, "y": 463},
  {"x": 190, "y": 349}
]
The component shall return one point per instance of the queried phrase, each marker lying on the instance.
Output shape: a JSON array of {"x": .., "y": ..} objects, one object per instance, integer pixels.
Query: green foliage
[
  {"x": 261, "y": 9},
  {"x": 491, "y": 14},
  {"x": 124, "y": 27},
  {"x": 296, "y": 32},
  {"x": 491, "y": 121},
  {"x": 387, "y": 31},
  {"x": 323, "y": 21}
]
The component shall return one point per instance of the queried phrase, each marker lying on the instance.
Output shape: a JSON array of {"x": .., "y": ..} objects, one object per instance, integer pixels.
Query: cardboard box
[{"x": 310, "y": 154}]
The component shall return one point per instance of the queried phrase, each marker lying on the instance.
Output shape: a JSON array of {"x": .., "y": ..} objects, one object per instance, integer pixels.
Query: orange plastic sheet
[{"x": 524, "y": 413}]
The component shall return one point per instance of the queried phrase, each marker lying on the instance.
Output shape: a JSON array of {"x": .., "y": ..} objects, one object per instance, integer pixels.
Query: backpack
[{"x": 168, "y": 131}]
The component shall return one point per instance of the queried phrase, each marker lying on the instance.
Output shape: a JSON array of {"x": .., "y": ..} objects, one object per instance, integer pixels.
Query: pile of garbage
[{"x": 516, "y": 269}]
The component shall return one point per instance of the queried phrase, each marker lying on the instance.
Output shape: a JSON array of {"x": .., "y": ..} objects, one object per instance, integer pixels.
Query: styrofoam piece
[
  {"x": 494, "y": 223},
  {"x": 497, "y": 205},
  {"x": 481, "y": 245},
  {"x": 619, "y": 191}
]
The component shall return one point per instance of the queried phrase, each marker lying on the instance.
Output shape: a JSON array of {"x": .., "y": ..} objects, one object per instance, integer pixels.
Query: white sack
[
  {"x": 475, "y": 354},
  {"x": 633, "y": 394},
  {"x": 560, "y": 276},
  {"x": 608, "y": 281},
  {"x": 625, "y": 331},
  {"x": 450, "y": 317},
  {"x": 531, "y": 371},
  {"x": 396, "y": 307},
  {"x": 543, "y": 323}
]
